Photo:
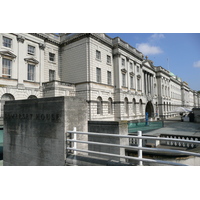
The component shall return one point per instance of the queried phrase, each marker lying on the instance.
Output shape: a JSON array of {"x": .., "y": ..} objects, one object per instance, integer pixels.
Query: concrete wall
[
  {"x": 109, "y": 128},
  {"x": 34, "y": 130}
]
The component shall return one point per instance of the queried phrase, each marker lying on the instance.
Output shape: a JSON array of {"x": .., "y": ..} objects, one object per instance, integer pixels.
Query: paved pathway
[{"x": 176, "y": 127}]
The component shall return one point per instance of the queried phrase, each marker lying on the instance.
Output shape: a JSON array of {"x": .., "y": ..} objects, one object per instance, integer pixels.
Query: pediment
[
  {"x": 7, "y": 54},
  {"x": 31, "y": 60},
  {"x": 148, "y": 63}
]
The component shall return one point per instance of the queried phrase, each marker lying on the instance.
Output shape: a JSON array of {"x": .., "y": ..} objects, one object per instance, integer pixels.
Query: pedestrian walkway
[{"x": 174, "y": 126}]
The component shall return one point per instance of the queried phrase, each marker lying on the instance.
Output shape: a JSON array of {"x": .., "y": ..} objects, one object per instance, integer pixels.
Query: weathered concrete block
[{"x": 35, "y": 129}]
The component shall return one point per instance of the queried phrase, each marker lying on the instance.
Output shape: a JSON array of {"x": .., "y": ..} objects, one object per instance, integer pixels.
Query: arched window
[
  {"x": 5, "y": 97},
  {"x": 99, "y": 106},
  {"x": 110, "y": 108},
  {"x": 140, "y": 105},
  {"x": 164, "y": 107},
  {"x": 32, "y": 97},
  {"x": 126, "y": 106},
  {"x": 134, "y": 106}
]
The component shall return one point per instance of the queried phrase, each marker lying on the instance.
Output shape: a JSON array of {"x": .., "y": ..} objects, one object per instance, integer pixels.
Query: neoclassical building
[{"x": 117, "y": 81}]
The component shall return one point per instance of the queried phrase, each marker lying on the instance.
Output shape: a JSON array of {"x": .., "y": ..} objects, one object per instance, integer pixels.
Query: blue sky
[{"x": 176, "y": 52}]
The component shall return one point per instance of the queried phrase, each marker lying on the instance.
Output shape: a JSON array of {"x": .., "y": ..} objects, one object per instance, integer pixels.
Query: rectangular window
[
  {"x": 98, "y": 73},
  {"x": 31, "y": 50},
  {"x": 138, "y": 84},
  {"x": 6, "y": 68},
  {"x": 51, "y": 56},
  {"x": 51, "y": 75},
  {"x": 131, "y": 67},
  {"x": 109, "y": 80},
  {"x": 98, "y": 55},
  {"x": 108, "y": 59},
  {"x": 138, "y": 69},
  {"x": 31, "y": 72},
  {"x": 124, "y": 80},
  {"x": 7, "y": 42},
  {"x": 123, "y": 62},
  {"x": 131, "y": 80}
]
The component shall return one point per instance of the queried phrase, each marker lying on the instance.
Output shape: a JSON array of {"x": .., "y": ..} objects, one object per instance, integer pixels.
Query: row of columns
[{"x": 148, "y": 83}]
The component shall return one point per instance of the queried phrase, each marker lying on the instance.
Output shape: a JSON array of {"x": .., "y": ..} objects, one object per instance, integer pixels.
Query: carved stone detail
[
  {"x": 138, "y": 76},
  {"x": 123, "y": 71},
  {"x": 20, "y": 38},
  {"x": 42, "y": 46},
  {"x": 131, "y": 74}
]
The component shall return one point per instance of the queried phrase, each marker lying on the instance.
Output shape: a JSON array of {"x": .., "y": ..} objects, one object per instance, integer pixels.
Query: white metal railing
[{"x": 140, "y": 148}]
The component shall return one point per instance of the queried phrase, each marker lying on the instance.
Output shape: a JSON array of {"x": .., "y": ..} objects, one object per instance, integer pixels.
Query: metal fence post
[
  {"x": 75, "y": 146},
  {"x": 140, "y": 150}
]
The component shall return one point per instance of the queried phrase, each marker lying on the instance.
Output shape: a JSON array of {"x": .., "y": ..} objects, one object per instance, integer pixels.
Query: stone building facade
[{"x": 116, "y": 80}]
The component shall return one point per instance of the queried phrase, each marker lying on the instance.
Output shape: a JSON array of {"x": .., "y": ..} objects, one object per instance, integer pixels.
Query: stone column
[
  {"x": 144, "y": 82},
  {"x": 20, "y": 62}
]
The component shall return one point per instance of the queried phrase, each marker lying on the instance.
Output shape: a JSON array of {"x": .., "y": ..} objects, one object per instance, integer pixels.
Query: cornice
[
  {"x": 86, "y": 35},
  {"x": 120, "y": 46},
  {"x": 7, "y": 54},
  {"x": 31, "y": 60},
  {"x": 46, "y": 38}
]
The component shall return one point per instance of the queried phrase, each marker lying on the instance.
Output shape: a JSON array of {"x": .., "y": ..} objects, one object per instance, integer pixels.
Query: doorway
[{"x": 149, "y": 109}]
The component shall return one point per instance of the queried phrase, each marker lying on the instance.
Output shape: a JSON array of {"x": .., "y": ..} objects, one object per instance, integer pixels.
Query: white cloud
[
  {"x": 157, "y": 36},
  {"x": 196, "y": 64},
  {"x": 148, "y": 49}
]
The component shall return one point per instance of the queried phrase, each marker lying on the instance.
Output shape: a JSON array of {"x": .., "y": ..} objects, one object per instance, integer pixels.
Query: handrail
[
  {"x": 135, "y": 136},
  {"x": 128, "y": 157},
  {"x": 140, "y": 148},
  {"x": 137, "y": 148}
]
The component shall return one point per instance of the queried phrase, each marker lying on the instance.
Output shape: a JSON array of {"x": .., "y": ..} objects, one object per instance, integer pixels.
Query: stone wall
[
  {"x": 119, "y": 128},
  {"x": 35, "y": 130}
]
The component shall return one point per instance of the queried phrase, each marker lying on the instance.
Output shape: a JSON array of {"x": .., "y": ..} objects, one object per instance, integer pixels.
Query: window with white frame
[
  {"x": 109, "y": 79},
  {"x": 138, "y": 84},
  {"x": 131, "y": 67},
  {"x": 131, "y": 81},
  {"x": 31, "y": 50},
  {"x": 7, "y": 42},
  {"x": 31, "y": 72},
  {"x": 51, "y": 75},
  {"x": 6, "y": 68},
  {"x": 108, "y": 59},
  {"x": 123, "y": 62},
  {"x": 98, "y": 73},
  {"x": 51, "y": 56},
  {"x": 98, "y": 55},
  {"x": 123, "y": 80},
  {"x": 138, "y": 69}
]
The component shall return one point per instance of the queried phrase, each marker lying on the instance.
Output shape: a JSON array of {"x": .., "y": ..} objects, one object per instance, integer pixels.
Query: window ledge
[
  {"x": 52, "y": 62},
  {"x": 98, "y": 60},
  {"x": 7, "y": 78}
]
